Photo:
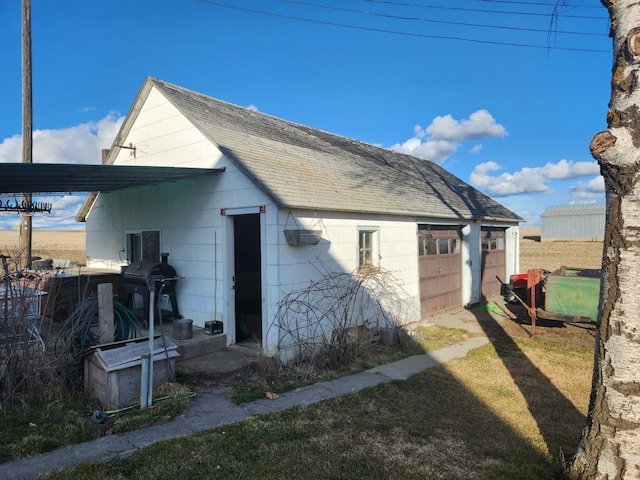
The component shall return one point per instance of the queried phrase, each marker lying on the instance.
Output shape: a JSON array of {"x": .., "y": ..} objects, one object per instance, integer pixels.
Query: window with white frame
[
  {"x": 368, "y": 250},
  {"x": 143, "y": 245}
]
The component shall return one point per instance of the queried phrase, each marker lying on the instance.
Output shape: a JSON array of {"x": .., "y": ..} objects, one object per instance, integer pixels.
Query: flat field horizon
[
  {"x": 58, "y": 244},
  {"x": 70, "y": 245}
]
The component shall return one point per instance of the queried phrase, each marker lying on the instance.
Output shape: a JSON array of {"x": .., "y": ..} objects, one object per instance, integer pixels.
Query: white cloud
[
  {"x": 480, "y": 124},
  {"x": 443, "y": 136},
  {"x": 532, "y": 179},
  {"x": 591, "y": 190},
  {"x": 253, "y": 108},
  {"x": 596, "y": 184},
  {"x": 567, "y": 169},
  {"x": 476, "y": 148},
  {"x": 435, "y": 150},
  {"x": 79, "y": 144}
]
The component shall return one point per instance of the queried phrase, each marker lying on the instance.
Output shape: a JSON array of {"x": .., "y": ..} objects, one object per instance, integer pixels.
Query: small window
[
  {"x": 455, "y": 246},
  {"x": 443, "y": 246},
  {"x": 367, "y": 248},
  {"x": 432, "y": 246},
  {"x": 500, "y": 243},
  {"x": 144, "y": 246},
  {"x": 421, "y": 247},
  {"x": 134, "y": 247}
]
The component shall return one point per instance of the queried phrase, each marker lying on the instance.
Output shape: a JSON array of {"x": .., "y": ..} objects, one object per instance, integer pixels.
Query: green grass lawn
[
  {"x": 268, "y": 376},
  {"x": 49, "y": 424},
  {"x": 46, "y": 426},
  {"x": 508, "y": 410}
]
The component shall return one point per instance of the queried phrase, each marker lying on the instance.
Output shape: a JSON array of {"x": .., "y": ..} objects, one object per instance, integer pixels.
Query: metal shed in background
[{"x": 573, "y": 222}]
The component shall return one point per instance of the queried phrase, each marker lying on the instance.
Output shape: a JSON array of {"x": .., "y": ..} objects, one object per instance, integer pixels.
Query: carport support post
[{"x": 105, "y": 313}]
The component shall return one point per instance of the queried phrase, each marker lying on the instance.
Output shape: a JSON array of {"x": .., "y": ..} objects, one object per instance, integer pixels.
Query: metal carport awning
[{"x": 45, "y": 178}]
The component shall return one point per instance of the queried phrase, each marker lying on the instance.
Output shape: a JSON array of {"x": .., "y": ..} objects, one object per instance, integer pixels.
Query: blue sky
[{"x": 504, "y": 94}]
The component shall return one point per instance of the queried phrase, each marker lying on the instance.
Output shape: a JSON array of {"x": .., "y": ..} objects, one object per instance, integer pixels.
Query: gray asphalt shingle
[{"x": 302, "y": 167}]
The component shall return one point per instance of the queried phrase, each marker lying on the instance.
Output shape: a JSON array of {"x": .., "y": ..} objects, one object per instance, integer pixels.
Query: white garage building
[{"x": 345, "y": 205}]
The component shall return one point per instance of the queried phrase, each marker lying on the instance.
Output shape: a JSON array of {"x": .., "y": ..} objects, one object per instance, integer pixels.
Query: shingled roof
[{"x": 302, "y": 167}]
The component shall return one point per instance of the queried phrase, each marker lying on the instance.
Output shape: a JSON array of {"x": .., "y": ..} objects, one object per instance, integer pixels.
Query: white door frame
[{"x": 229, "y": 265}]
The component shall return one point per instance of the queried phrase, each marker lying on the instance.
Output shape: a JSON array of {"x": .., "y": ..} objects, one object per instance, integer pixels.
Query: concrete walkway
[{"x": 213, "y": 408}]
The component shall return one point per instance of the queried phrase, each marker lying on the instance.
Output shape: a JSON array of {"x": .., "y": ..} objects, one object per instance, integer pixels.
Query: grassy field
[{"x": 510, "y": 410}]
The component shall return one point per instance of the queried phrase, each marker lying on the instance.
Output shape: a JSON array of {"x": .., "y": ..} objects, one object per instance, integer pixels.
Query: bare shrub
[
  {"x": 329, "y": 323},
  {"x": 31, "y": 365}
]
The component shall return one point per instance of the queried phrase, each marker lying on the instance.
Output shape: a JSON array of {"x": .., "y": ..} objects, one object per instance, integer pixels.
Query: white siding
[
  {"x": 512, "y": 245},
  {"x": 187, "y": 213},
  {"x": 337, "y": 252},
  {"x": 338, "y": 249},
  {"x": 164, "y": 137},
  {"x": 471, "y": 264}
]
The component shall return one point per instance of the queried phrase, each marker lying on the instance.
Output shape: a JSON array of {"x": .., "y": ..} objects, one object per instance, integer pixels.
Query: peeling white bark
[{"x": 610, "y": 446}]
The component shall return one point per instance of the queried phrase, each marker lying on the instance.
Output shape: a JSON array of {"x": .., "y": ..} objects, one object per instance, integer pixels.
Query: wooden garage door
[
  {"x": 493, "y": 260},
  {"x": 440, "y": 268}
]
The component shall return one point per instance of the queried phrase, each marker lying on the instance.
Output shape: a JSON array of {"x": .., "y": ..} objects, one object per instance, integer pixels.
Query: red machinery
[{"x": 567, "y": 294}]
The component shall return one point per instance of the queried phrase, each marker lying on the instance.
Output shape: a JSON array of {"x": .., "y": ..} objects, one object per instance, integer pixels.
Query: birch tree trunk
[{"x": 610, "y": 445}]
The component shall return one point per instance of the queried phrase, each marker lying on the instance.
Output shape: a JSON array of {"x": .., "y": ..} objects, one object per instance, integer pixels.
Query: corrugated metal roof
[
  {"x": 301, "y": 167},
  {"x": 67, "y": 178},
  {"x": 575, "y": 209}
]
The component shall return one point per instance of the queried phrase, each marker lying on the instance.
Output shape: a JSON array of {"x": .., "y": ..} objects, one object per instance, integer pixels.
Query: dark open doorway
[{"x": 248, "y": 278}]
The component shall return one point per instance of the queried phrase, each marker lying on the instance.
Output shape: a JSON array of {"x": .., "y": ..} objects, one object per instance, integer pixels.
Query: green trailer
[{"x": 571, "y": 295}]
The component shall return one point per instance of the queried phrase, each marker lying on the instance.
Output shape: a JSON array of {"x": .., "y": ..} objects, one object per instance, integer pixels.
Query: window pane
[
  {"x": 443, "y": 244},
  {"x": 365, "y": 248},
  {"x": 365, "y": 240},
  {"x": 151, "y": 246},
  {"x": 494, "y": 244},
  {"x": 134, "y": 247},
  {"x": 365, "y": 258},
  {"x": 432, "y": 249},
  {"x": 455, "y": 245},
  {"x": 143, "y": 246},
  {"x": 485, "y": 244},
  {"x": 500, "y": 243},
  {"x": 420, "y": 247}
]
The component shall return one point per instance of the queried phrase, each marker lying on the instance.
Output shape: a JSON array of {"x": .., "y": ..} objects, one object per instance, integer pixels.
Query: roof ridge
[{"x": 327, "y": 171}]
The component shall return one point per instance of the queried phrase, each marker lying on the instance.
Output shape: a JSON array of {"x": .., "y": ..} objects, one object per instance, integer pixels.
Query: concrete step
[{"x": 199, "y": 344}]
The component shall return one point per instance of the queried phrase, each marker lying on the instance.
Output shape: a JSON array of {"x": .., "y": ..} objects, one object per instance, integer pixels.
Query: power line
[
  {"x": 479, "y": 10},
  {"x": 395, "y": 32},
  {"x": 542, "y": 4},
  {"x": 444, "y": 22}
]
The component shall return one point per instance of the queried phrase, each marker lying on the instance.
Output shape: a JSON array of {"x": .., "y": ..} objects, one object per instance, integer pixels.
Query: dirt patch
[
  {"x": 58, "y": 244},
  {"x": 520, "y": 327},
  {"x": 553, "y": 255}
]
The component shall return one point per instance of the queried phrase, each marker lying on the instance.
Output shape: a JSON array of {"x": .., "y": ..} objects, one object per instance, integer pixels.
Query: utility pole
[{"x": 27, "y": 131}]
